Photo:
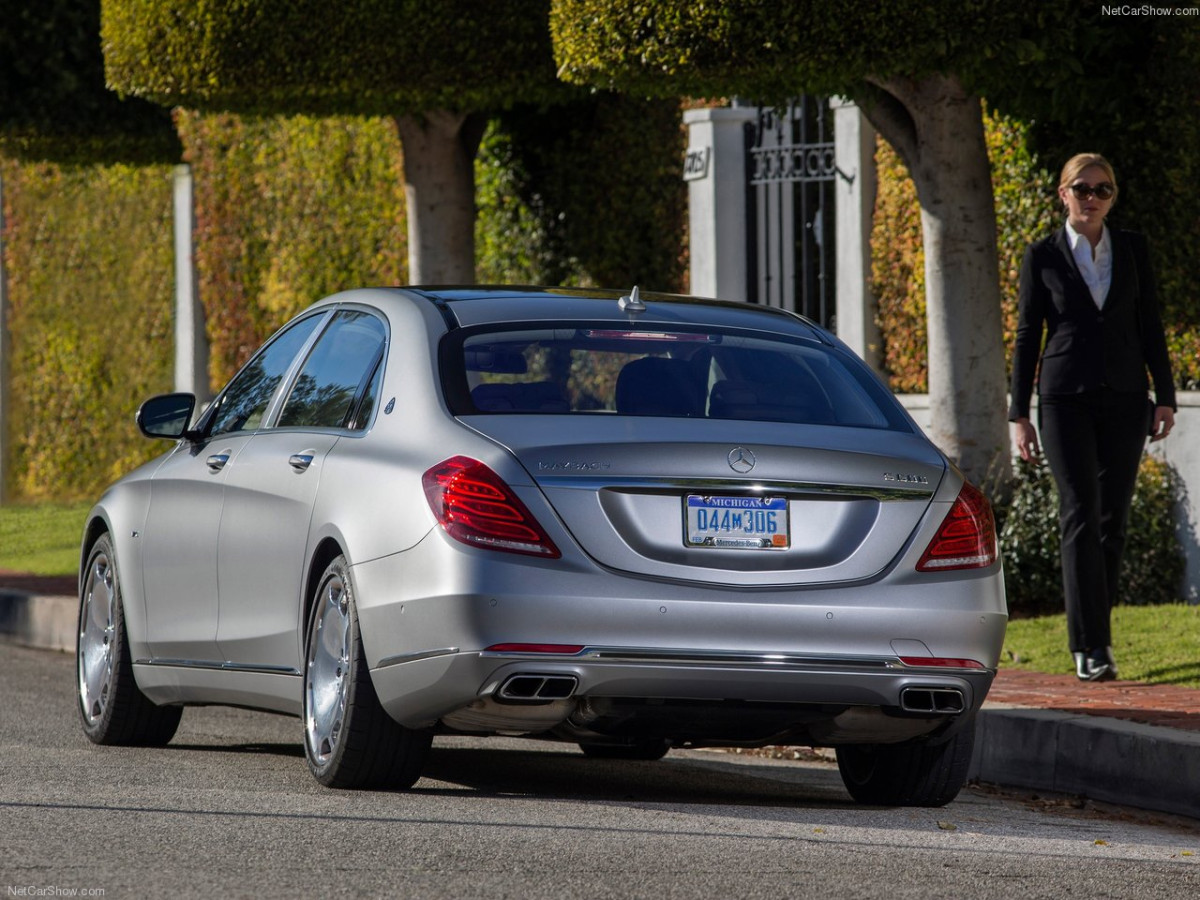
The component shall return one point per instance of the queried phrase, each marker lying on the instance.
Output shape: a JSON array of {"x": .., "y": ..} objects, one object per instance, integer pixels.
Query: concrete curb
[
  {"x": 1099, "y": 757},
  {"x": 47, "y": 623}
]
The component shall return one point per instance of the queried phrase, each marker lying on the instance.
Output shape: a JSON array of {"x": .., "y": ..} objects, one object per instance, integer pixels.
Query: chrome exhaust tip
[
  {"x": 537, "y": 688},
  {"x": 935, "y": 701}
]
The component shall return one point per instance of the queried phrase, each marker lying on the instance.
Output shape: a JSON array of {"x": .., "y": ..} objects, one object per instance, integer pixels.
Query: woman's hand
[
  {"x": 1164, "y": 421},
  {"x": 1026, "y": 439}
]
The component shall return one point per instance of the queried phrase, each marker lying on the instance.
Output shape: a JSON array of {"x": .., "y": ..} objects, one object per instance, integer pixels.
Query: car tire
[
  {"x": 112, "y": 709},
  {"x": 349, "y": 740},
  {"x": 649, "y": 749},
  {"x": 914, "y": 773}
]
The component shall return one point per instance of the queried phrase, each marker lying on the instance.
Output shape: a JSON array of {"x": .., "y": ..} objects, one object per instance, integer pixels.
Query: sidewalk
[{"x": 1120, "y": 742}]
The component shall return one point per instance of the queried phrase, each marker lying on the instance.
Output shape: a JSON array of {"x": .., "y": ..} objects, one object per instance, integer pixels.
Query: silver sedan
[{"x": 628, "y": 522}]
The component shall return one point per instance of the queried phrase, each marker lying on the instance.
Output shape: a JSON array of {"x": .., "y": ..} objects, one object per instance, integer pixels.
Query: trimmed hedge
[
  {"x": 288, "y": 210},
  {"x": 360, "y": 57},
  {"x": 589, "y": 193},
  {"x": 1154, "y": 564},
  {"x": 89, "y": 257}
]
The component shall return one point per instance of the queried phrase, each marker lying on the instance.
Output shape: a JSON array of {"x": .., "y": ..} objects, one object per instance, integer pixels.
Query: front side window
[
  {"x": 246, "y": 398},
  {"x": 337, "y": 374},
  {"x": 713, "y": 374}
]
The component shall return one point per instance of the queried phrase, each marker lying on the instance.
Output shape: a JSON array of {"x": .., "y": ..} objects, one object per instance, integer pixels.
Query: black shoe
[
  {"x": 1112, "y": 663},
  {"x": 1095, "y": 665}
]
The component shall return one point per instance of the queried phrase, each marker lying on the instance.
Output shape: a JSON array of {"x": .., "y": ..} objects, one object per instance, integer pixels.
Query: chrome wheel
[
  {"x": 112, "y": 709},
  {"x": 349, "y": 740},
  {"x": 97, "y": 632},
  {"x": 327, "y": 683}
]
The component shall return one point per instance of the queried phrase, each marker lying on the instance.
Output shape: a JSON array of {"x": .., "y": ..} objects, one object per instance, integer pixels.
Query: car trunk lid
[{"x": 747, "y": 503}]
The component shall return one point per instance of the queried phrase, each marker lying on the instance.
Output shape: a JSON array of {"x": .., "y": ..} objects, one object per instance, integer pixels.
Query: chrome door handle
[
  {"x": 300, "y": 461},
  {"x": 217, "y": 461}
]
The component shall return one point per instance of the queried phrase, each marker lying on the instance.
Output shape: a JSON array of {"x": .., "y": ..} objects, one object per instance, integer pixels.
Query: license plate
[{"x": 737, "y": 523}]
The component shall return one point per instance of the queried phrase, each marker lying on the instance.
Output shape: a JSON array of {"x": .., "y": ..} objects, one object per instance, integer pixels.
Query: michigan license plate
[{"x": 737, "y": 523}]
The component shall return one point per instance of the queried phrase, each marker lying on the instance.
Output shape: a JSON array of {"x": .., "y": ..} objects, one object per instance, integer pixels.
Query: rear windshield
[{"x": 686, "y": 374}]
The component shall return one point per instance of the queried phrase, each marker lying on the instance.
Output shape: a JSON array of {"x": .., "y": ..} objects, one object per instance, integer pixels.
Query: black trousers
[{"x": 1093, "y": 442}]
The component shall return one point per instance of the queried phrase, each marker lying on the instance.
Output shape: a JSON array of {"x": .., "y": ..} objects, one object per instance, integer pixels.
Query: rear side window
[
  {"x": 684, "y": 374},
  {"x": 337, "y": 374}
]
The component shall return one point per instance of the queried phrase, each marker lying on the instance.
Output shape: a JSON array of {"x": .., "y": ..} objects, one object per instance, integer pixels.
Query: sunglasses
[{"x": 1103, "y": 191}]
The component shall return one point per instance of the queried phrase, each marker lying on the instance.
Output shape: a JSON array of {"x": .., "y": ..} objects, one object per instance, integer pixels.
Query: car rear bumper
[
  {"x": 421, "y": 692},
  {"x": 816, "y": 652}
]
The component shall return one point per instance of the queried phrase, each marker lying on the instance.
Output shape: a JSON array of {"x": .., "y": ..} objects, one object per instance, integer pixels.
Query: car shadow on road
[{"x": 565, "y": 774}]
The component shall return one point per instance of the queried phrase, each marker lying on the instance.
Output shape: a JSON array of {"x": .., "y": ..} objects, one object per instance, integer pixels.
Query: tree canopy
[
  {"x": 53, "y": 101},
  {"x": 369, "y": 57},
  {"x": 758, "y": 49}
]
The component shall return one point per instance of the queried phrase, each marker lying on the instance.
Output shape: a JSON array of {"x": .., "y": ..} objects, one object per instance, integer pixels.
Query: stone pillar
[
  {"x": 191, "y": 342},
  {"x": 854, "y": 187},
  {"x": 716, "y": 174},
  {"x": 4, "y": 357}
]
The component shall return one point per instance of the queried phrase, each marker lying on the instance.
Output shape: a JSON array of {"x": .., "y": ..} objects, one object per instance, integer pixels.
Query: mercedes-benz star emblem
[{"x": 741, "y": 460}]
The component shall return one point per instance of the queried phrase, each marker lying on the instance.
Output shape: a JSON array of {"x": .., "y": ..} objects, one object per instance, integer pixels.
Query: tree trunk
[
  {"x": 439, "y": 187},
  {"x": 937, "y": 128}
]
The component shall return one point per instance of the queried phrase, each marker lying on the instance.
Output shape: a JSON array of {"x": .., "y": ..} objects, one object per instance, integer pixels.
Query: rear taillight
[
  {"x": 476, "y": 507},
  {"x": 966, "y": 538}
]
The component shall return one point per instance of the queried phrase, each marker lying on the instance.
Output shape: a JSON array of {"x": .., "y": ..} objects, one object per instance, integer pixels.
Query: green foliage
[
  {"x": 288, "y": 210},
  {"x": 42, "y": 539},
  {"x": 1026, "y": 205},
  {"x": 755, "y": 48},
  {"x": 583, "y": 194},
  {"x": 54, "y": 105},
  {"x": 90, "y": 269},
  {"x": 1029, "y": 543},
  {"x": 1153, "y": 568},
  {"x": 1152, "y": 644},
  {"x": 898, "y": 274},
  {"x": 360, "y": 57}
]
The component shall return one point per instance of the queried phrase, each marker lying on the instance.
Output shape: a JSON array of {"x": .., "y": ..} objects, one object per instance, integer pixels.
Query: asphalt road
[{"x": 229, "y": 809}]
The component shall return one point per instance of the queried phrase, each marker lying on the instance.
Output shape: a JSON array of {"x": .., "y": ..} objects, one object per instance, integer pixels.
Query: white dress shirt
[{"x": 1096, "y": 270}]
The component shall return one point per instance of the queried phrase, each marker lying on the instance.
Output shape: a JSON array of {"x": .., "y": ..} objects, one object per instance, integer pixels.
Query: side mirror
[{"x": 166, "y": 416}]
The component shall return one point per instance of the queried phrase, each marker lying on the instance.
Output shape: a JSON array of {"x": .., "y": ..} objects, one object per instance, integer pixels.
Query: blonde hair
[{"x": 1080, "y": 161}]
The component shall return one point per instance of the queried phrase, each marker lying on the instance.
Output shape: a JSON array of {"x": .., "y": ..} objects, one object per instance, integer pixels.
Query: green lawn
[
  {"x": 42, "y": 540},
  {"x": 1155, "y": 644}
]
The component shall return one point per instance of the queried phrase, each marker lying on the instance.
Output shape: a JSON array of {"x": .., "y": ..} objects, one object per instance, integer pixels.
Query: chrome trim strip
[
  {"x": 414, "y": 657},
  {"x": 724, "y": 485},
  {"x": 730, "y": 659},
  {"x": 705, "y": 657},
  {"x": 710, "y": 658},
  {"x": 221, "y": 666}
]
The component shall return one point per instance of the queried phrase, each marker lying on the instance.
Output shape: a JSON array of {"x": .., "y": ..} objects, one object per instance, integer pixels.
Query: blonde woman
[{"x": 1089, "y": 290}]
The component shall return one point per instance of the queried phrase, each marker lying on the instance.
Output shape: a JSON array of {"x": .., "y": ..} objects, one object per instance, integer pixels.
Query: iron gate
[{"x": 790, "y": 207}]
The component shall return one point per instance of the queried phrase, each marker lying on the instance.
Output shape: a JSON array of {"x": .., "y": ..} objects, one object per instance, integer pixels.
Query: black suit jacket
[{"x": 1088, "y": 348}]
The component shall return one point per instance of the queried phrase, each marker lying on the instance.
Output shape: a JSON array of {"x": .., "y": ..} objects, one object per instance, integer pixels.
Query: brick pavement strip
[{"x": 1169, "y": 705}]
